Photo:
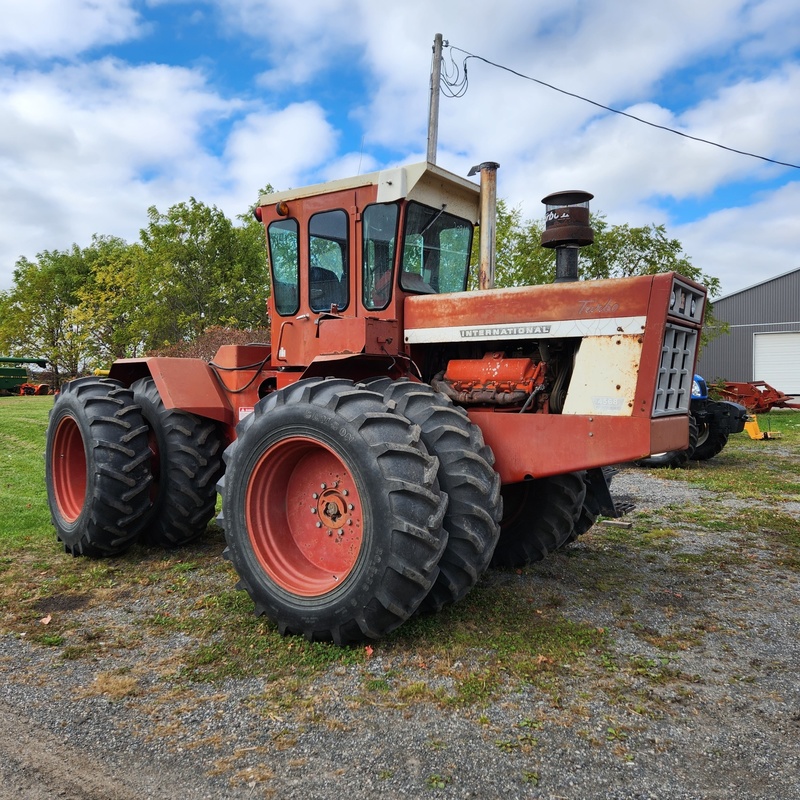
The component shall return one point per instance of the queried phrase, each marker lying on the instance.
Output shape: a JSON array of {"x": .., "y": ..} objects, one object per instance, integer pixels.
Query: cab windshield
[{"x": 436, "y": 249}]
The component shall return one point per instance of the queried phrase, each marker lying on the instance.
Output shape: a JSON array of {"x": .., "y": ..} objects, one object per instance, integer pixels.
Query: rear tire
[
  {"x": 590, "y": 509},
  {"x": 332, "y": 512},
  {"x": 186, "y": 464},
  {"x": 538, "y": 518},
  {"x": 97, "y": 467},
  {"x": 466, "y": 475}
]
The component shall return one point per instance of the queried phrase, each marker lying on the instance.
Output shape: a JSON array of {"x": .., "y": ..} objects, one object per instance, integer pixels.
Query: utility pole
[{"x": 433, "y": 111}]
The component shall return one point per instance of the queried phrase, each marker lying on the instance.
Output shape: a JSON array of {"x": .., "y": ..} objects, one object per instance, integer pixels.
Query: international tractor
[{"x": 399, "y": 434}]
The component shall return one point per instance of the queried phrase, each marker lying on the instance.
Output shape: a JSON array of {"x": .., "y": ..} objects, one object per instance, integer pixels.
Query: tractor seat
[{"x": 326, "y": 289}]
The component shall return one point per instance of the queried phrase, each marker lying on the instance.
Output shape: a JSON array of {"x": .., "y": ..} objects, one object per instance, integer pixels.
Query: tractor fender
[{"x": 185, "y": 383}]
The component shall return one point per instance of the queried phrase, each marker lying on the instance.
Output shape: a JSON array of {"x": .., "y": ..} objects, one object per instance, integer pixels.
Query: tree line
[
  {"x": 193, "y": 270},
  {"x": 618, "y": 251}
]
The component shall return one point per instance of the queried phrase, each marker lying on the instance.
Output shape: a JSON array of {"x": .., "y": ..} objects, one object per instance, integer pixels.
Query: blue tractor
[{"x": 711, "y": 422}]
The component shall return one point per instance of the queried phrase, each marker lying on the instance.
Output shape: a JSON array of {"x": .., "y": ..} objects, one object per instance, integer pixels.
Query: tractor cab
[{"x": 344, "y": 255}]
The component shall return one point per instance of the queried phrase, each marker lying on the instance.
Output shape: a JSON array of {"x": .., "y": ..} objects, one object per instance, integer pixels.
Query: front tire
[
  {"x": 466, "y": 475},
  {"x": 97, "y": 467},
  {"x": 332, "y": 512},
  {"x": 538, "y": 517},
  {"x": 710, "y": 441},
  {"x": 186, "y": 463}
]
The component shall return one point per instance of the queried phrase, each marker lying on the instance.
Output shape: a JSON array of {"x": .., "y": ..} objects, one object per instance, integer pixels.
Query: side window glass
[
  {"x": 328, "y": 270},
  {"x": 379, "y": 223},
  {"x": 284, "y": 259}
]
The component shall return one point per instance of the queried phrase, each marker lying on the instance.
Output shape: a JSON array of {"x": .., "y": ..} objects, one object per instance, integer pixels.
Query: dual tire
[
  {"x": 347, "y": 508},
  {"x": 120, "y": 467},
  {"x": 540, "y": 516},
  {"x": 97, "y": 467}
]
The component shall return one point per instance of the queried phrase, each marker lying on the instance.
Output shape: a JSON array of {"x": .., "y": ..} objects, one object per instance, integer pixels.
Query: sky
[{"x": 109, "y": 107}]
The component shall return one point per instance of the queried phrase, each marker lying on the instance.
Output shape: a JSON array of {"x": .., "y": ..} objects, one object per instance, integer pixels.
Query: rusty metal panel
[
  {"x": 605, "y": 376},
  {"x": 577, "y": 309},
  {"x": 345, "y": 335},
  {"x": 536, "y": 445},
  {"x": 237, "y": 356}
]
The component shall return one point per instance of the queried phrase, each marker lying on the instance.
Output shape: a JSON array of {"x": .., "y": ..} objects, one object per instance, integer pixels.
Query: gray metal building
[{"x": 763, "y": 343}]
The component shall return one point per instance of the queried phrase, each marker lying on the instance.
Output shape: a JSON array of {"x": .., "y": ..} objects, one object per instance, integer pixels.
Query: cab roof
[{"x": 423, "y": 182}]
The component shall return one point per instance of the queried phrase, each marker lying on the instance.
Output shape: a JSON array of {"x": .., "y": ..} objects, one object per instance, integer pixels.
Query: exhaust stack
[
  {"x": 567, "y": 229},
  {"x": 488, "y": 222}
]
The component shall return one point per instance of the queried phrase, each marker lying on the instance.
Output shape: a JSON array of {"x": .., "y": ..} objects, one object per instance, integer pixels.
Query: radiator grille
[{"x": 675, "y": 374}]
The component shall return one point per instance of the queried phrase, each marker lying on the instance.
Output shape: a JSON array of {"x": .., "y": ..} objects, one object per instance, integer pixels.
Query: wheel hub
[{"x": 333, "y": 509}]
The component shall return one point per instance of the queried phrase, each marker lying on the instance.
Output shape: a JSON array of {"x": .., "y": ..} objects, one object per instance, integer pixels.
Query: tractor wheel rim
[
  {"x": 304, "y": 516},
  {"x": 68, "y": 465}
]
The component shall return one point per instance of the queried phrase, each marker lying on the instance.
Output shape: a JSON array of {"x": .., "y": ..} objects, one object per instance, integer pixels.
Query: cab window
[
  {"x": 379, "y": 225},
  {"x": 436, "y": 249},
  {"x": 328, "y": 251},
  {"x": 284, "y": 262}
]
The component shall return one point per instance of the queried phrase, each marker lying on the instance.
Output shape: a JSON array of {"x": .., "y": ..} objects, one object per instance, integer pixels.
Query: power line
[
  {"x": 462, "y": 88},
  {"x": 454, "y": 78}
]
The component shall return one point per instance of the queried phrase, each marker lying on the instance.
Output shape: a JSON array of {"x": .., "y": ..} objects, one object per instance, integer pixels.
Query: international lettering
[{"x": 504, "y": 330}]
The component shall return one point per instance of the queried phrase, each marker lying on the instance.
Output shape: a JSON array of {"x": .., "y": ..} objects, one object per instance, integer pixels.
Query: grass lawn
[{"x": 507, "y": 629}]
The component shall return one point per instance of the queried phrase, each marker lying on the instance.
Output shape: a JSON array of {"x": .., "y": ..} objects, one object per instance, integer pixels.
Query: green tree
[
  {"x": 520, "y": 259},
  {"x": 618, "y": 251},
  {"x": 251, "y": 252},
  {"x": 39, "y": 318},
  {"x": 202, "y": 271},
  {"x": 109, "y": 301},
  {"x": 84, "y": 307}
]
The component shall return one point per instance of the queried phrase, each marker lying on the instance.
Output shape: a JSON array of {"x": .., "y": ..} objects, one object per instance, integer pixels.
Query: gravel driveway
[{"x": 701, "y": 698}]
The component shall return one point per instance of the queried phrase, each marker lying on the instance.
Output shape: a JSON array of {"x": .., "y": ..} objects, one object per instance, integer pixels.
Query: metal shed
[{"x": 763, "y": 343}]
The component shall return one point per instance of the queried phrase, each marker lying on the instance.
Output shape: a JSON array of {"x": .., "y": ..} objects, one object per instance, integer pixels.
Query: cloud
[
  {"x": 87, "y": 148},
  {"x": 41, "y": 29},
  {"x": 285, "y": 148},
  {"x": 745, "y": 245}
]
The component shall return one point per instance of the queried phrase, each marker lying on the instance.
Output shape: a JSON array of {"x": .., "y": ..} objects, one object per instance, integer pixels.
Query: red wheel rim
[
  {"x": 304, "y": 516},
  {"x": 68, "y": 467}
]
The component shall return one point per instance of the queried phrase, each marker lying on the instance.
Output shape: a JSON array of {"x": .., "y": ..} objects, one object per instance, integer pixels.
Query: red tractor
[{"x": 400, "y": 433}]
